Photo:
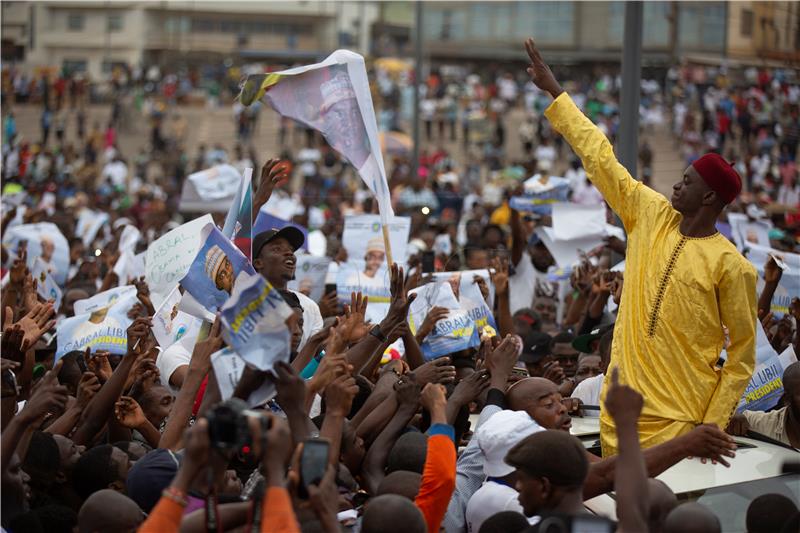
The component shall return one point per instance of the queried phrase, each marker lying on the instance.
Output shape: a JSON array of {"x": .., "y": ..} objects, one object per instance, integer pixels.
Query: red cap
[{"x": 720, "y": 176}]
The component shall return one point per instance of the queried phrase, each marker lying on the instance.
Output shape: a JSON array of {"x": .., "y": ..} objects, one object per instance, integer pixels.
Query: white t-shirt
[
  {"x": 490, "y": 499},
  {"x": 522, "y": 285},
  {"x": 312, "y": 318},
  {"x": 545, "y": 153},
  {"x": 588, "y": 391},
  {"x": 170, "y": 360}
]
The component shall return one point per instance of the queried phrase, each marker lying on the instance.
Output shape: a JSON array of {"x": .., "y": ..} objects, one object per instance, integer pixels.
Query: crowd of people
[{"x": 476, "y": 441}]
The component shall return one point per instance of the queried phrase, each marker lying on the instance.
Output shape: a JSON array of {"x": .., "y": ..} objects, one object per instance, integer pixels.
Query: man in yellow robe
[{"x": 683, "y": 281}]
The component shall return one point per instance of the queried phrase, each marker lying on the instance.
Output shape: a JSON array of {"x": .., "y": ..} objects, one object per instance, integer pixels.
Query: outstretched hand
[
  {"x": 623, "y": 403},
  {"x": 274, "y": 173},
  {"x": 540, "y": 73}
]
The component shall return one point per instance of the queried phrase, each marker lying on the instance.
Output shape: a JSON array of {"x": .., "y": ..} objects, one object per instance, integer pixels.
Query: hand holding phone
[{"x": 313, "y": 463}]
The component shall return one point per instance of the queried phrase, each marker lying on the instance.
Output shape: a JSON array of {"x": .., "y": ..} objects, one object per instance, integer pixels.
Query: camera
[{"x": 228, "y": 427}]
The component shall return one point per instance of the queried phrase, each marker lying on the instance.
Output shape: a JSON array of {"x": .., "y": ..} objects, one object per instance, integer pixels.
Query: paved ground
[{"x": 212, "y": 126}]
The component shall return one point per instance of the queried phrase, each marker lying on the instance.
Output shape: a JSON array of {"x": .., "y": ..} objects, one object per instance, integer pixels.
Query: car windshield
[{"x": 730, "y": 502}]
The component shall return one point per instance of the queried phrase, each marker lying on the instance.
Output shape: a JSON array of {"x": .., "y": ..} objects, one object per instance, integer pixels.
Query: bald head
[
  {"x": 523, "y": 392},
  {"x": 401, "y": 482},
  {"x": 662, "y": 502},
  {"x": 391, "y": 513},
  {"x": 108, "y": 511},
  {"x": 539, "y": 397},
  {"x": 692, "y": 518}
]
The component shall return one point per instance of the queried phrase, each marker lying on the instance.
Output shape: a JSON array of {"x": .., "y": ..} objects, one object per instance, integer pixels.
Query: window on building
[
  {"x": 110, "y": 66},
  {"x": 72, "y": 66},
  {"x": 114, "y": 22},
  {"x": 204, "y": 25},
  {"x": 75, "y": 21},
  {"x": 746, "y": 28},
  {"x": 551, "y": 23}
]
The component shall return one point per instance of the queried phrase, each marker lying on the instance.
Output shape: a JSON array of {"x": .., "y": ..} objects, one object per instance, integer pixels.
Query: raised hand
[
  {"x": 352, "y": 327},
  {"x": 47, "y": 397},
  {"x": 500, "y": 276},
  {"x": 469, "y": 388},
  {"x": 623, "y": 403},
  {"x": 437, "y": 371},
  {"x": 772, "y": 272},
  {"x": 398, "y": 308},
  {"x": 329, "y": 305},
  {"x": 138, "y": 332},
  {"x": 434, "y": 315},
  {"x": 500, "y": 362},
  {"x": 554, "y": 372},
  {"x": 98, "y": 364},
  {"x": 143, "y": 294},
  {"x": 433, "y": 397},
  {"x": 407, "y": 390},
  {"x": 203, "y": 350},
  {"x": 339, "y": 394},
  {"x": 484, "y": 288},
  {"x": 129, "y": 413},
  {"x": 143, "y": 376},
  {"x": 36, "y": 323},
  {"x": 19, "y": 268},
  {"x": 332, "y": 366},
  {"x": 274, "y": 173},
  {"x": 540, "y": 73},
  {"x": 13, "y": 343},
  {"x": 87, "y": 388}
]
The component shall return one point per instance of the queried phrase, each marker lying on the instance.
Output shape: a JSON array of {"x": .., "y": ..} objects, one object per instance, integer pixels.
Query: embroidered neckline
[
  {"x": 717, "y": 234},
  {"x": 662, "y": 285}
]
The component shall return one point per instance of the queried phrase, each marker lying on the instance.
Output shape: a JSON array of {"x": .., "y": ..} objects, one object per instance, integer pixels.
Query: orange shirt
[{"x": 438, "y": 476}]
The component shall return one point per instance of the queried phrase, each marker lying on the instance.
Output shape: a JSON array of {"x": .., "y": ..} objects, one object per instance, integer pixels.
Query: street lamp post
[{"x": 628, "y": 145}]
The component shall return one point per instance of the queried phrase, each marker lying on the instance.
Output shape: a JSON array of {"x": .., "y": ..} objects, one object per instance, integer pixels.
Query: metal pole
[
  {"x": 628, "y": 145},
  {"x": 417, "y": 79}
]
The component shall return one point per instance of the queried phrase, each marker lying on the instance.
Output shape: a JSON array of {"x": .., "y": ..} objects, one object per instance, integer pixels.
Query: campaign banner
[
  {"x": 746, "y": 232},
  {"x": 471, "y": 301},
  {"x": 239, "y": 222},
  {"x": 89, "y": 224},
  {"x": 352, "y": 277},
  {"x": 216, "y": 266},
  {"x": 170, "y": 325},
  {"x": 789, "y": 285},
  {"x": 309, "y": 276},
  {"x": 210, "y": 190},
  {"x": 332, "y": 97},
  {"x": 254, "y": 320},
  {"x": 267, "y": 221},
  {"x": 463, "y": 278},
  {"x": 45, "y": 242},
  {"x": 46, "y": 286},
  {"x": 575, "y": 221},
  {"x": 125, "y": 296},
  {"x": 766, "y": 386},
  {"x": 540, "y": 193},
  {"x": 362, "y": 238},
  {"x": 449, "y": 335},
  {"x": 100, "y": 323},
  {"x": 168, "y": 258},
  {"x": 228, "y": 368}
]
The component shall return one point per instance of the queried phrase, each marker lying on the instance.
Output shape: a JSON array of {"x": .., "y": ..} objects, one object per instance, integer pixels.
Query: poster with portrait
[
  {"x": 463, "y": 278},
  {"x": 168, "y": 258},
  {"x": 449, "y": 335},
  {"x": 352, "y": 277},
  {"x": 228, "y": 368},
  {"x": 215, "y": 268},
  {"x": 766, "y": 385},
  {"x": 362, "y": 238},
  {"x": 46, "y": 242},
  {"x": 46, "y": 286},
  {"x": 254, "y": 322},
  {"x": 171, "y": 325},
  {"x": 309, "y": 276},
  {"x": 100, "y": 323}
]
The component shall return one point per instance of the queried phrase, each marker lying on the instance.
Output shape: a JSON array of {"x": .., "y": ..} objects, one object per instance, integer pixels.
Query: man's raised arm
[{"x": 624, "y": 194}]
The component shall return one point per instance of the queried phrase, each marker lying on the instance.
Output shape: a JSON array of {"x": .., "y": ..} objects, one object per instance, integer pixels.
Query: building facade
[{"x": 97, "y": 36}]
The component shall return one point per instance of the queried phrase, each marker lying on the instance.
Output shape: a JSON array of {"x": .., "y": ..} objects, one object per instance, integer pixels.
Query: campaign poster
[
  {"x": 215, "y": 268},
  {"x": 309, "y": 276},
  {"x": 229, "y": 367},
  {"x": 463, "y": 278},
  {"x": 46, "y": 286},
  {"x": 171, "y": 325},
  {"x": 254, "y": 320},
  {"x": 353, "y": 277},
  {"x": 100, "y": 323},
  {"x": 766, "y": 386},
  {"x": 45, "y": 242},
  {"x": 449, "y": 335},
  {"x": 788, "y": 286},
  {"x": 168, "y": 258},
  {"x": 362, "y": 238}
]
